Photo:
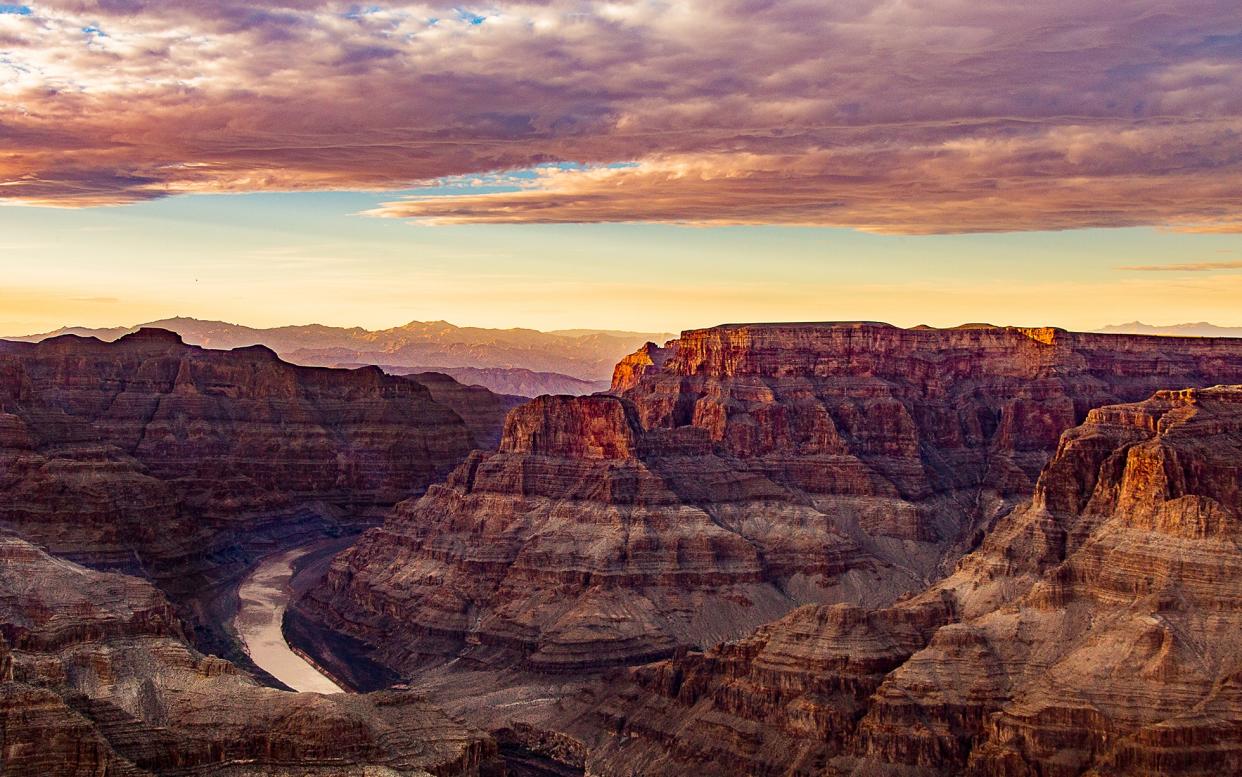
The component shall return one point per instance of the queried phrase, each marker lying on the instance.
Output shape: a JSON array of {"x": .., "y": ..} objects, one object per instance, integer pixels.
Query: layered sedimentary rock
[
  {"x": 125, "y": 439},
  {"x": 483, "y": 410},
  {"x": 96, "y": 679},
  {"x": 176, "y": 462},
  {"x": 1097, "y": 630},
  {"x": 738, "y": 473},
  {"x": 567, "y": 549}
]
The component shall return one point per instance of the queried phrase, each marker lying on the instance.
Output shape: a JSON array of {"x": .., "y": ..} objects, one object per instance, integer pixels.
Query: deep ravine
[{"x": 263, "y": 597}]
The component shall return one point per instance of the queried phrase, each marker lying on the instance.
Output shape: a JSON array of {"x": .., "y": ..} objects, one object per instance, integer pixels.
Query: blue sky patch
[
  {"x": 20, "y": 10},
  {"x": 360, "y": 11}
]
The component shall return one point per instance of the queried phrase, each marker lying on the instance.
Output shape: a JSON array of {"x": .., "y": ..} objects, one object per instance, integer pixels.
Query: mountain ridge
[
  {"x": 1197, "y": 329},
  {"x": 581, "y": 354}
]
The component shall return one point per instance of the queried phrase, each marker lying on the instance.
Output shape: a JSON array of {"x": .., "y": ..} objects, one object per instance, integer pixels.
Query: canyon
[
  {"x": 97, "y": 678},
  {"x": 183, "y": 464},
  {"x": 804, "y": 485},
  {"x": 769, "y": 549},
  {"x": 1095, "y": 631}
]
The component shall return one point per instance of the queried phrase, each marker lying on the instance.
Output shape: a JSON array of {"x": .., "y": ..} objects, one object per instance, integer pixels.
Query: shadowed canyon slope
[
  {"x": 739, "y": 473},
  {"x": 1097, "y": 630},
  {"x": 181, "y": 463},
  {"x": 96, "y": 679},
  {"x": 511, "y": 380},
  {"x": 502, "y": 360}
]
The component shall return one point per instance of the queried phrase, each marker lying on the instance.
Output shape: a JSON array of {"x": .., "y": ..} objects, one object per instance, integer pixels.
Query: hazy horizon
[
  {"x": 129, "y": 325},
  {"x": 312, "y": 261},
  {"x": 627, "y": 165}
]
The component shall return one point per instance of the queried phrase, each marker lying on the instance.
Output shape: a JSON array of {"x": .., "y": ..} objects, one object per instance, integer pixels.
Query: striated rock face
[
  {"x": 147, "y": 442},
  {"x": 97, "y": 679},
  {"x": 570, "y": 549},
  {"x": 164, "y": 459},
  {"x": 1097, "y": 630},
  {"x": 740, "y": 472},
  {"x": 482, "y": 410}
]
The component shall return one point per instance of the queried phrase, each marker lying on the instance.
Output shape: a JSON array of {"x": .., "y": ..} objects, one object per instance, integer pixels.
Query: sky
[{"x": 639, "y": 165}]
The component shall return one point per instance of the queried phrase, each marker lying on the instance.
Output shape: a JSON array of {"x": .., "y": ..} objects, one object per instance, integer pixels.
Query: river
[{"x": 263, "y": 596}]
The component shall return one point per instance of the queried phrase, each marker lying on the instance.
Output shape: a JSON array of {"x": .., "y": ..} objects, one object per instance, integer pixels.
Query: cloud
[
  {"x": 1187, "y": 267},
  {"x": 941, "y": 116}
]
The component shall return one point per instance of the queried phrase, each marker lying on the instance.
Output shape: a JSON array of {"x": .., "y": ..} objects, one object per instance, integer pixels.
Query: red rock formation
[
  {"x": 98, "y": 680},
  {"x": 170, "y": 460},
  {"x": 630, "y": 370},
  {"x": 743, "y": 471},
  {"x": 1097, "y": 630},
  {"x": 585, "y": 555},
  {"x": 147, "y": 428},
  {"x": 483, "y": 411}
]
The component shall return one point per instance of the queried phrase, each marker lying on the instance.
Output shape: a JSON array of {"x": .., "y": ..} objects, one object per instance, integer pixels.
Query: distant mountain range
[
  {"x": 1201, "y": 329},
  {"x": 509, "y": 361}
]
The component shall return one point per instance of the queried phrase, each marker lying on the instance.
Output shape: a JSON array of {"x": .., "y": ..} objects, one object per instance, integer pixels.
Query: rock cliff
[
  {"x": 738, "y": 473},
  {"x": 179, "y": 463},
  {"x": 1097, "y": 630},
  {"x": 96, "y": 678},
  {"x": 483, "y": 410}
]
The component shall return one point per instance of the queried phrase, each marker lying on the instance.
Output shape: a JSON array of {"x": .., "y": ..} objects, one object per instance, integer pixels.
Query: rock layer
[
  {"x": 740, "y": 472},
  {"x": 169, "y": 460},
  {"x": 97, "y": 679},
  {"x": 1097, "y": 630},
  {"x": 482, "y": 410}
]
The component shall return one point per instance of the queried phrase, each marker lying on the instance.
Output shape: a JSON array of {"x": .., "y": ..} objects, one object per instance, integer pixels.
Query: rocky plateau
[
  {"x": 783, "y": 549},
  {"x": 804, "y": 485}
]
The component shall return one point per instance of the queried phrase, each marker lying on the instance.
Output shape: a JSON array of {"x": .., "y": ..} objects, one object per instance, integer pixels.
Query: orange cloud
[{"x": 1030, "y": 178}]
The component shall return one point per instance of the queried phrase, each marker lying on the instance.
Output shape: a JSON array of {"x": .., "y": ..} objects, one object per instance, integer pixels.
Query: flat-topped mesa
[
  {"x": 1093, "y": 635},
  {"x": 928, "y": 409},
  {"x": 870, "y": 348}
]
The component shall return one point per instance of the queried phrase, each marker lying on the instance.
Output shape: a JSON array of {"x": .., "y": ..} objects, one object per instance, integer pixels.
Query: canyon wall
[
  {"x": 96, "y": 678},
  {"x": 1097, "y": 630},
  {"x": 735, "y": 475},
  {"x": 181, "y": 464}
]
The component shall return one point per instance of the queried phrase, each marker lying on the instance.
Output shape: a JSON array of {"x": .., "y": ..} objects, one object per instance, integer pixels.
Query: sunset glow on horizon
[{"x": 640, "y": 165}]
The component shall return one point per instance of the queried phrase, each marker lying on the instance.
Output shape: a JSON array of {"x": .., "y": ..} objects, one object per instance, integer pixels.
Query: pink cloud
[{"x": 914, "y": 117}]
